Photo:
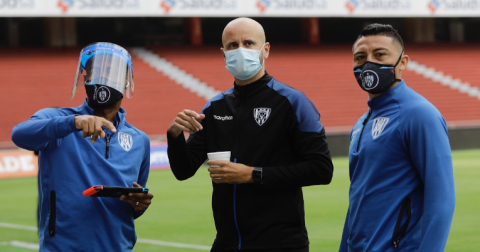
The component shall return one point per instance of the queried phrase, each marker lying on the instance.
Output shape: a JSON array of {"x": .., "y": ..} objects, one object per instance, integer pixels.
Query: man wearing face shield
[
  {"x": 88, "y": 145},
  {"x": 402, "y": 194},
  {"x": 277, "y": 146}
]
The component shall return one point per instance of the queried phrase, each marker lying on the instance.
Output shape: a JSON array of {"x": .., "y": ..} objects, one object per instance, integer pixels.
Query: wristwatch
[{"x": 257, "y": 175}]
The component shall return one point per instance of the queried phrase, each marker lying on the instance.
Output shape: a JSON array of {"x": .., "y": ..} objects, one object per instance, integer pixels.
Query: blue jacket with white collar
[
  {"x": 69, "y": 164},
  {"x": 402, "y": 188}
]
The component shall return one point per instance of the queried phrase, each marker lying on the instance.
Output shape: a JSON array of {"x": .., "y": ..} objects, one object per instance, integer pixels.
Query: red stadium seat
[{"x": 39, "y": 78}]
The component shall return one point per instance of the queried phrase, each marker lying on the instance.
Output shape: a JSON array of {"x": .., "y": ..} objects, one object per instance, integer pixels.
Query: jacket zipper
[
  {"x": 364, "y": 123},
  {"x": 235, "y": 216},
  {"x": 53, "y": 214},
  {"x": 396, "y": 237},
  {"x": 107, "y": 148},
  {"x": 235, "y": 212}
]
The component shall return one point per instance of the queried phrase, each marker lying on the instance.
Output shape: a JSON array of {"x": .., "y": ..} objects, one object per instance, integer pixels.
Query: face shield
[{"x": 106, "y": 64}]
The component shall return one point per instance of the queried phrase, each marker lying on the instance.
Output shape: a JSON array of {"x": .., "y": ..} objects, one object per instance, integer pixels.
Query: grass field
[{"x": 181, "y": 211}]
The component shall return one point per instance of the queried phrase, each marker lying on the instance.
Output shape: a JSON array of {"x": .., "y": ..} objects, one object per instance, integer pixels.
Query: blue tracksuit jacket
[
  {"x": 69, "y": 164},
  {"x": 400, "y": 158}
]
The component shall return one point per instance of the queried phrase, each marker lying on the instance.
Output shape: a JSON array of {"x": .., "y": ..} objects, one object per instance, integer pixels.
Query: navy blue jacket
[{"x": 266, "y": 124}]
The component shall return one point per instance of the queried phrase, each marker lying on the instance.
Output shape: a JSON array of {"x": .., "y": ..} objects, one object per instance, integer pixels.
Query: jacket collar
[
  {"x": 120, "y": 118},
  {"x": 253, "y": 87},
  {"x": 387, "y": 97}
]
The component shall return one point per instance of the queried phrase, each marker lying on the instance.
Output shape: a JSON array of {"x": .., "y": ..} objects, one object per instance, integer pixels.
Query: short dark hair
[{"x": 383, "y": 30}]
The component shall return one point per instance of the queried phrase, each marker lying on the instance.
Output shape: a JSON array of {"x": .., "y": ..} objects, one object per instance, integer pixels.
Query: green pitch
[{"x": 181, "y": 212}]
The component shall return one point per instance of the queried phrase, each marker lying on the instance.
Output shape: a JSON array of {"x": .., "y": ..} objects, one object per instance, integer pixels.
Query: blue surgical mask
[{"x": 243, "y": 63}]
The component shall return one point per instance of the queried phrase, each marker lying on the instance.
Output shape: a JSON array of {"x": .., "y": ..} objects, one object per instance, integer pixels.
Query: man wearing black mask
[
  {"x": 402, "y": 194},
  {"x": 88, "y": 145}
]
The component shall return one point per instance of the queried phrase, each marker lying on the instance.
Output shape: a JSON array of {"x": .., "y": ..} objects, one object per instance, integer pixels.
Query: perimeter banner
[
  {"x": 18, "y": 163},
  {"x": 23, "y": 163},
  {"x": 159, "y": 157},
  {"x": 236, "y": 8}
]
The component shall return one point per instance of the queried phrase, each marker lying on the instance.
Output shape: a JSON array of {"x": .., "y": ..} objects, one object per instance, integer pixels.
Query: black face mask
[
  {"x": 102, "y": 96},
  {"x": 376, "y": 78}
]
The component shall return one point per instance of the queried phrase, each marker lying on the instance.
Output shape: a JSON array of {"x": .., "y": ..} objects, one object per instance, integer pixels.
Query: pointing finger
[
  {"x": 200, "y": 117},
  {"x": 109, "y": 125},
  {"x": 85, "y": 129},
  {"x": 190, "y": 113},
  {"x": 97, "y": 133}
]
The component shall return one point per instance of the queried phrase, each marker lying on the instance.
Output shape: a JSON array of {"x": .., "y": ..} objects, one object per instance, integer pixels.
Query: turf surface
[{"x": 181, "y": 211}]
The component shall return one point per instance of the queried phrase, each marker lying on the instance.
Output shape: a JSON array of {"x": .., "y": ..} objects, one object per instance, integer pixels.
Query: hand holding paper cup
[{"x": 221, "y": 155}]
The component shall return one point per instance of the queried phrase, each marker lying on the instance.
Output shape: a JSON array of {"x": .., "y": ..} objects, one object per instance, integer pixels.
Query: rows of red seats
[
  {"x": 34, "y": 79},
  {"x": 324, "y": 74},
  {"x": 39, "y": 78}
]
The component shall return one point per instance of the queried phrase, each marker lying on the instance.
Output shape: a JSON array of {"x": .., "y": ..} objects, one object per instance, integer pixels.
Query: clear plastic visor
[{"x": 108, "y": 65}]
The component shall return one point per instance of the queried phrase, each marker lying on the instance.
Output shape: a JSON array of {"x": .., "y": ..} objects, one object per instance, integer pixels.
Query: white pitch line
[
  {"x": 15, "y": 226},
  {"x": 20, "y": 244},
  {"x": 27, "y": 245},
  {"x": 174, "y": 244},
  {"x": 147, "y": 241}
]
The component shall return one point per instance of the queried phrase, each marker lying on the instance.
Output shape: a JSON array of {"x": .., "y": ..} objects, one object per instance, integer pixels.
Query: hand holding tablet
[{"x": 112, "y": 191}]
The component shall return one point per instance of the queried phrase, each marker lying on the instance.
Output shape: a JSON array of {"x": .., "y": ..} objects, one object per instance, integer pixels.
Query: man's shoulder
[
  {"x": 283, "y": 88},
  {"x": 218, "y": 97},
  {"x": 54, "y": 111},
  {"x": 414, "y": 104},
  {"x": 305, "y": 111},
  {"x": 293, "y": 95},
  {"x": 130, "y": 129},
  {"x": 417, "y": 111}
]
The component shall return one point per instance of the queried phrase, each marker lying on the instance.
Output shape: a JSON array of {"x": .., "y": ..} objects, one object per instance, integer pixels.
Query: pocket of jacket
[
  {"x": 406, "y": 206},
  {"x": 53, "y": 214}
]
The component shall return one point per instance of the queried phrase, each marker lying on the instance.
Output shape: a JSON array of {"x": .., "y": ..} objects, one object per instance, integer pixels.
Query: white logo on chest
[
  {"x": 125, "y": 140},
  {"x": 261, "y": 115},
  {"x": 378, "y": 126},
  {"x": 223, "y": 118}
]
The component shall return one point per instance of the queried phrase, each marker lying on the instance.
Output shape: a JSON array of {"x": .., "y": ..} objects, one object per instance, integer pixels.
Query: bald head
[
  {"x": 245, "y": 33},
  {"x": 242, "y": 29}
]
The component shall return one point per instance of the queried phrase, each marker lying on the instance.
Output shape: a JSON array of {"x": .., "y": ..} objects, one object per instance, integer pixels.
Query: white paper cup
[{"x": 221, "y": 155}]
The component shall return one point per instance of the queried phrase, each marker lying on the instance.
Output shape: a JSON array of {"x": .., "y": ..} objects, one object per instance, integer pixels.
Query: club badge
[
  {"x": 125, "y": 140},
  {"x": 261, "y": 115},
  {"x": 378, "y": 126}
]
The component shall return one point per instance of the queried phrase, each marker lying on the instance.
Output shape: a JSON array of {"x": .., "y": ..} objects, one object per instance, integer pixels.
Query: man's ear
[
  {"x": 404, "y": 62},
  {"x": 266, "y": 48},
  {"x": 223, "y": 53}
]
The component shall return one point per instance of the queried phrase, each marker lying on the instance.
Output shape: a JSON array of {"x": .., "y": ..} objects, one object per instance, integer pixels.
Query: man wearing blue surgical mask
[
  {"x": 245, "y": 56},
  {"x": 402, "y": 194},
  {"x": 277, "y": 146}
]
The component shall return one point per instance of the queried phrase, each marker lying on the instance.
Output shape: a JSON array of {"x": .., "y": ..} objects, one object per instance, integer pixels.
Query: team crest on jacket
[
  {"x": 378, "y": 125},
  {"x": 125, "y": 140},
  {"x": 261, "y": 115}
]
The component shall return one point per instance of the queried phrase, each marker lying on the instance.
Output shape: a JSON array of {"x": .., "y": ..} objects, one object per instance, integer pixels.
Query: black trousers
[{"x": 305, "y": 249}]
